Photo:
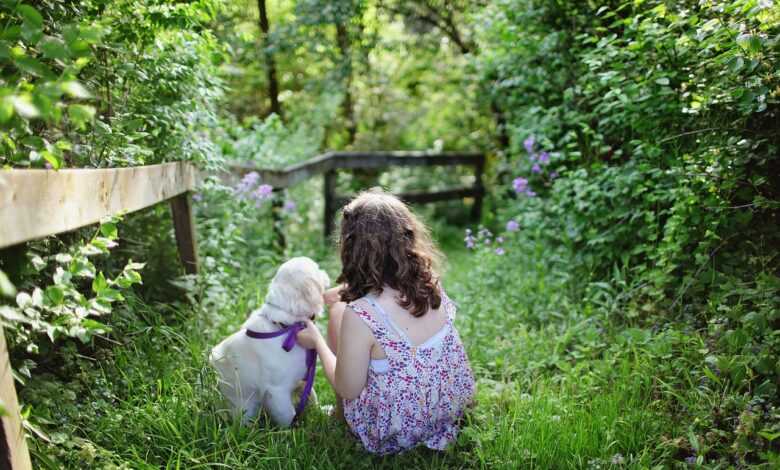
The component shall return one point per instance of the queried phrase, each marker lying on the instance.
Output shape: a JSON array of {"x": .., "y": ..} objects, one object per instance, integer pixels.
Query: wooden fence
[
  {"x": 329, "y": 163},
  {"x": 39, "y": 203}
]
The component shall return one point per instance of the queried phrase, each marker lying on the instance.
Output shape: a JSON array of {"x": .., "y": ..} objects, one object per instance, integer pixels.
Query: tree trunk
[
  {"x": 270, "y": 64},
  {"x": 347, "y": 106}
]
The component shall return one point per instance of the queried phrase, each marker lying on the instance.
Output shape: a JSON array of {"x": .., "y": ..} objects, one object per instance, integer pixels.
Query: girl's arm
[
  {"x": 348, "y": 372},
  {"x": 332, "y": 295}
]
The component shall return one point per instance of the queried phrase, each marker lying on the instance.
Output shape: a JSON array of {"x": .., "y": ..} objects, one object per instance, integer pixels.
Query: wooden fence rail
[
  {"x": 38, "y": 203},
  {"x": 330, "y": 162}
]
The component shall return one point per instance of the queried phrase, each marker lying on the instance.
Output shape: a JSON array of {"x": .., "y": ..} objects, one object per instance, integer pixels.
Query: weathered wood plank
[
  {"x": 297, "y": 173},
  {"x": 290, "y": 175},
  {"x": 14, "y": 454},
  {"x": 184, "y": 228},
  {"x": 37, "y": 203},
  {"x": 387, "y": 159}
]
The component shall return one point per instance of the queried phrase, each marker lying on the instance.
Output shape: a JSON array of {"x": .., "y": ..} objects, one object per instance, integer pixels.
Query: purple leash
[{"x": 289, "y": 342}]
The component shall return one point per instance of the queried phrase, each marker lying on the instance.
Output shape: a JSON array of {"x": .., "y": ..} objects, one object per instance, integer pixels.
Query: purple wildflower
[
  {"x": 248, "y": 182},
  {"x": 48, "y": 166},
  {"x": 691, "y": 460},
  {"x": 500, "y": 251},
  {"x": 530, "y": 193},
  {"x": 553, "y": 175},
  {"x": 512, "y": 226},
  {"x": 544, "y": 158},
  {"x": 469, "y": 239},
  {"x": 263, "y": 192},
  {"x": 520, "y": 184},
  {"x": 536, "y": 168},
  {"x": 197, "y": 197},
  {"x": 499, "y": 240},
  {"x": 289, "y": 206},
  {"x": 529, "y": 144}
]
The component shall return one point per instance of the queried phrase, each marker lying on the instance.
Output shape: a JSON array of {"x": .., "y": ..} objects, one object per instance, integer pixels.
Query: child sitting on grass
[{"x": 393, "y": 355}]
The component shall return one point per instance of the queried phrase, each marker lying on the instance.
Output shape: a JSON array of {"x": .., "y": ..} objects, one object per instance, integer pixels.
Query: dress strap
[
  {"x": 448, "y": 304},
  {"x": 389, "y": 323},
  {"x": 375, "y": 318},
  {"x": 370, "y": 317}
]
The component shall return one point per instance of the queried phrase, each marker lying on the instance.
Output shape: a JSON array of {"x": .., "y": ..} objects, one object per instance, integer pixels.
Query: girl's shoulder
[{"x": 364, "y": 309}]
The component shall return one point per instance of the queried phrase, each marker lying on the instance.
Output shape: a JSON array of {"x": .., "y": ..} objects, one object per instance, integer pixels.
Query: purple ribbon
[{"x": 288, "y": 343}]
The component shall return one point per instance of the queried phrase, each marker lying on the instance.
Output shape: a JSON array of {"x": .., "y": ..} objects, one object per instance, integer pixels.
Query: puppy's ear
[{"x": 310, "y": 290}]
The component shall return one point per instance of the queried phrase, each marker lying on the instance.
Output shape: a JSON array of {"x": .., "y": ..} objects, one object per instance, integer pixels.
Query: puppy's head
[{"x": 297, "y": 290}]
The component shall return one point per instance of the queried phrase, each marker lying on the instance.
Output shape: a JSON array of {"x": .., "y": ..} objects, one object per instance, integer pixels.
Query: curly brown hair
[{"x": 384, "y": 244}]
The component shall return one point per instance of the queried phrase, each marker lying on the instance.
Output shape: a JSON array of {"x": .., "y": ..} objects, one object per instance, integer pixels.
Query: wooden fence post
[
  {"x": 329, "y": 190},
  {"x": 479, "y": 189},
  {"x": 13, "y": 448},
  {"x": 276, "y": 215},
  {"x": 184, "y": 227}
]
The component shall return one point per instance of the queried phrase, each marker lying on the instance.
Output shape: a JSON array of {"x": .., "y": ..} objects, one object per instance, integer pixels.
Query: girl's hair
[{"x": 383, "y": 243}]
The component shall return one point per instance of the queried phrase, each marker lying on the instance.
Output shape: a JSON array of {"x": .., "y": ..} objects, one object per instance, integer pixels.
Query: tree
[{"x": 270, "y": 63}]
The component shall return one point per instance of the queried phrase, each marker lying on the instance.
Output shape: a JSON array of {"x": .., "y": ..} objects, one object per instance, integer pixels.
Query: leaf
[
  {"x": 76, "y": 89},
  {"x": 33, "y": 67},
  {"x": 38, "y": 262},
  {"x": 662, "y": 81},
  {"x": 768, "y": 435},
  {"x": 55, "y": 295},
  {"x": 108, "y": 229},
  {"x": 6, "y": 287},
  {"x": 23, "y": 105},
  {"x": 750, "y": 42},
  {"x": 37, "y": 297},
  {"x": 53, "y": 48},
  {"x": 30, "y": 15},
  {"x": 99, "y": 284},
  {"x": 63, "y": 258},
  {"x": 54, "y": 160},
  {"x": 711, "y": 375},
  {"x": 13, "y": 315},
  {"x": 81, "y": 115},
  {"x": 23, "y": 300},
  {"x": 6, "y": 109}
]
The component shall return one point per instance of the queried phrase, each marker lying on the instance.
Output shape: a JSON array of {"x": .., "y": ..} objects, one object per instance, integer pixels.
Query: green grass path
[{"x": 151, "y": 401}]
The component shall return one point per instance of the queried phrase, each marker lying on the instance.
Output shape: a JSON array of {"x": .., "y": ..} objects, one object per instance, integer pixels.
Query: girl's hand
[
  {"x": 309, "y": 336},
  {"x": 332, "y": 295}
]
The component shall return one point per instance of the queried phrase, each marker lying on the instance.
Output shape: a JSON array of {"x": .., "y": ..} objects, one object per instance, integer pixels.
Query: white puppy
[{"x": 258, "y": 372}]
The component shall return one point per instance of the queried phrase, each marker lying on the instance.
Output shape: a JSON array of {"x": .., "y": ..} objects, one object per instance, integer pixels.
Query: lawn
[{"x": 555, "y": 389}]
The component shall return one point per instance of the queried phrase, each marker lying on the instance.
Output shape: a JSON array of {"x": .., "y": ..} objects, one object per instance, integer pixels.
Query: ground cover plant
[{"x": 619, "y": 300}]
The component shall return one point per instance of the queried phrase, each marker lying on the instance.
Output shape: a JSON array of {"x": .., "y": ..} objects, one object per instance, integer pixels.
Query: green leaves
[
  {"x": 6, "y": 288},
  {"x": 60, "y": 308},
  {"x": 81, "y": 115},
  {"x": 30, "y": 15}
]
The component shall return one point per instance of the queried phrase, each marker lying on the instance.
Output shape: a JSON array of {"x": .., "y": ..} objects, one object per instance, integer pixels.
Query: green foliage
[
  {"x": 662, "y": 118},
  {"x": 58, "y": 308},
  {"x": 81, "y": 88}
]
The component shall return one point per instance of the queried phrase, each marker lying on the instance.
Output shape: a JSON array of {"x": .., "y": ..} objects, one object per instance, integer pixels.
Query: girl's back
[{"x": 419, "y": 381}]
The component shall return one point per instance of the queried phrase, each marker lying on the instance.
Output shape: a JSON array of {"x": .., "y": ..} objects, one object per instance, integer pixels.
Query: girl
[{"x": 393, "y": 355}]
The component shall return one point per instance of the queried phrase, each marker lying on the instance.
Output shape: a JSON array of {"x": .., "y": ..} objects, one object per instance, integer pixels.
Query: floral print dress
[{"x": 421, "y": 394}]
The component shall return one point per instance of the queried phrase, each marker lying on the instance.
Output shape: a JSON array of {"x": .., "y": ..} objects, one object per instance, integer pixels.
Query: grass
[{"x": 555, "y": 390}]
